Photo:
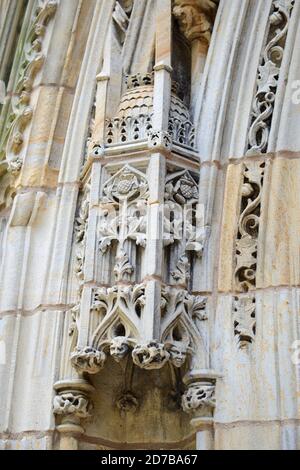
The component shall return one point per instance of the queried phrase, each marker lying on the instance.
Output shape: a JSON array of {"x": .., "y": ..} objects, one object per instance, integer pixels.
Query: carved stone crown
[{"x": 134, "y": 118}]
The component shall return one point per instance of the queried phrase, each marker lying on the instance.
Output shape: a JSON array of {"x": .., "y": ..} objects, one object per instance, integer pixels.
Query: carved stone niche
[{"x": 133, "y": 122}]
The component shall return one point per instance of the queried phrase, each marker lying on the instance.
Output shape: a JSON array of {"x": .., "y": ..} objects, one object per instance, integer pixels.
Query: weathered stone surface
[{"x": 149, "y": 224}]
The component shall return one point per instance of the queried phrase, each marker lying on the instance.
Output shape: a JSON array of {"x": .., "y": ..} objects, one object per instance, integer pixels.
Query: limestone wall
[{"x": 243, "y": 102}]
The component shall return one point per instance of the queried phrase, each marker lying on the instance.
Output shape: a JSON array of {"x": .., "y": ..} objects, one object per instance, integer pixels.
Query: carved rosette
[
  {"x": 127, "y": 403},
  {"x": 199, "y": 398}
]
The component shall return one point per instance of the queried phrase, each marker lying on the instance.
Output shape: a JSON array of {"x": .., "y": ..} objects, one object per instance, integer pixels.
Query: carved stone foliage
[
  {"x": 80, "y": 230},
  {"x": 195, "y": 18},
  {"x": 181, "y": 222},
  {"x": 133, "y": 122},
  {"x": 199, "y": 397},
  {"x": 183, "y": 315},
  {"x": 244, "y": 320},
  {"x": 246, "y": 251},
  {"x": 152, "y": 355},
  {"x": 31, "y": 62},
  {"x": 248, "y": 226},
  {"x": 119, "y": 310},
  {"x": 72, "y": 403},
  {"x": 268, "y": 76},
  {"x": 88, "y": 360},
  {"x": 124, "y": 215},
  {"x": 118, "y": 314}
]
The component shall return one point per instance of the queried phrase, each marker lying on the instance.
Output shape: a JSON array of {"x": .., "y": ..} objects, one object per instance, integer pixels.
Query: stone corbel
[
  {"x": 71, "y": 405},
  {"x": 196, "y": 18},
  {"x": 199, "y": 402}
]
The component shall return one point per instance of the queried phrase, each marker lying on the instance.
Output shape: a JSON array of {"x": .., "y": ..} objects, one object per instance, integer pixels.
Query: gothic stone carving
[
  {"x": 181, "y": 224},
  {"x": 72, "y": 403},
  {"x": 88, "y": 360},
  {"x": 246, "y": 251},
  {"x": 268, "y": 76},
  {"x": 195, "y": 18},
  {"x": 199, "y": 397},
  {"x": 127, "y": 403},
  {"x": 133, "y": 122},
  {"x": 124, "y": 216},
  {"x": 120, "y": 308},
  {"x": 152, "y": 355},
  {"x": 31, "y": 62},
  {"x": 244, "y": 320},
  {"x": 159, "y": 140},
  {"x": 248, "y": 226}
]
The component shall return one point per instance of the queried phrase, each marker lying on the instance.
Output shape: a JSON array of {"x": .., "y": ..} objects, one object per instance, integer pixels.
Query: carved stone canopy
[
  {"x": 133, "y": 121},
  {"x": 196, "y": 18}
]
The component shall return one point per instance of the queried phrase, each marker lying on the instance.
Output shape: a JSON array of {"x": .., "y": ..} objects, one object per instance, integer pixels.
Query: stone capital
[{"x": 195, "y": 18}]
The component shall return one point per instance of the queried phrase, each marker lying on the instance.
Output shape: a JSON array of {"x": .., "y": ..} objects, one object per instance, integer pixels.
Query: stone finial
[{"x": 196, "y": 18}]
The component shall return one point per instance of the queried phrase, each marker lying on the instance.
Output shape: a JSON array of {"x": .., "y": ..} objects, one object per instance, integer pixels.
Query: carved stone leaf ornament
[
  {"x": 248, "y": 226},
  {"x": 244, "y": 320},
  {"x": 88, "y": 360},
  {"x": 198, "y": 397},
  {"x": 70, "y": 403},
  {"x": 31, "y": 62},
  {"x": 125, "y": 195},
  {"x": 268, "y": 76}
]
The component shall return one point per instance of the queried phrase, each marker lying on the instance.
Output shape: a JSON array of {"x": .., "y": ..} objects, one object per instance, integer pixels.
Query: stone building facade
[{"x": 149, "y": 224}]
